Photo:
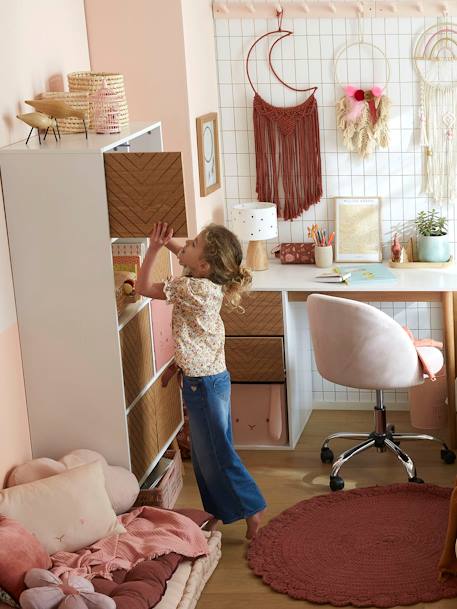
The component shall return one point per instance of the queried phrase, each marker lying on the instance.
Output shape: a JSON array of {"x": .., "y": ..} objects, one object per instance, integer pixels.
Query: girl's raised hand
[{"x": 160, "y": 235}]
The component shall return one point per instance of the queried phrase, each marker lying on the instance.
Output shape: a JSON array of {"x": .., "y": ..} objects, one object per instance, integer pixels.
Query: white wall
[
  {"x": 40, "y": 42},
  {"x": 306, "y": 59}
]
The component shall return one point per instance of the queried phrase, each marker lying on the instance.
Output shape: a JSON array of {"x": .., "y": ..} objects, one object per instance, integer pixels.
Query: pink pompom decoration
[
  {"x": 377, "y": 91},
  {"x": 47, "y": 591},
  {"x": 350, "y": 90}
]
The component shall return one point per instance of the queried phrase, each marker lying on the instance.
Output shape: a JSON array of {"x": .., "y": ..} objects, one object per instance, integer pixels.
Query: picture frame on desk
[
  {"x": 358, "y": 229},
  {"x": 208, "y": 153}
]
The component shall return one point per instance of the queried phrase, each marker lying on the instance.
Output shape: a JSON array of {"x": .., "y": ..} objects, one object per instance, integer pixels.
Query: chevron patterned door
[{"x": 143, "y": 188}]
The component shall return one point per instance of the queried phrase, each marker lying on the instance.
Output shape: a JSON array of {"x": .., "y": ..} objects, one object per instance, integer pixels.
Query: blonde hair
[{"x": 222, "y": 251}]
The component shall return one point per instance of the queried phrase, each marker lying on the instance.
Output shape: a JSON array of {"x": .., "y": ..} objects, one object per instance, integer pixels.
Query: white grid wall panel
[{"x": 306, "y": 59}]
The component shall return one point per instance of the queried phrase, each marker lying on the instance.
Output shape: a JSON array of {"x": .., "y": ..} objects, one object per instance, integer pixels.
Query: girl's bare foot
[
  {"x": 253, "y": 524},
  {"x": 212, "y": 525}
]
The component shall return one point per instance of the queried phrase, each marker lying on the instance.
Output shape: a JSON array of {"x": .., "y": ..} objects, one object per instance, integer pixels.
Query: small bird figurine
[
  {"x": 37, "y": 120},
  {"x": 396, "y": 249},
  {"x": 57, "y": 109}
]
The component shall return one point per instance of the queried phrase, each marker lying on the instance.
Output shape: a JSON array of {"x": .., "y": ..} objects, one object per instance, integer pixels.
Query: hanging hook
[
  {"x": 445, "y": 10},
  {"x": 279, "y": 16},
  {"x": 360, "y": 27}
]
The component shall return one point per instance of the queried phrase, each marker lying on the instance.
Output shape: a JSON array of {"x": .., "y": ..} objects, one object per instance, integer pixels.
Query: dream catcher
[
  {"x": 435, "y": 57},
  {"x": 363, "y": 114}
]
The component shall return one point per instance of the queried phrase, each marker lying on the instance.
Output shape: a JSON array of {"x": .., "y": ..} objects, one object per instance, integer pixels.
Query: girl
[{"x": 212, "y": 272}]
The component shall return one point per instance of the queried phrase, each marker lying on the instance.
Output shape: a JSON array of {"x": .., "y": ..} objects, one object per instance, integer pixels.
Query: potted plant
[{"x": 432, "y": 237}]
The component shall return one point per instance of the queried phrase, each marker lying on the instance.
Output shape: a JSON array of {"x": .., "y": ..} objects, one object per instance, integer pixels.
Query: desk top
[{"x": 300, "y": 277}]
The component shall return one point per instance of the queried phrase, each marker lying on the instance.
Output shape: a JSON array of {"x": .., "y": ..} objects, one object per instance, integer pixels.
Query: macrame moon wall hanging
[
  {"x": 435, "y": 57},
  {"x": 287, "y": 146},
  {"x": 363, "y": 115}
]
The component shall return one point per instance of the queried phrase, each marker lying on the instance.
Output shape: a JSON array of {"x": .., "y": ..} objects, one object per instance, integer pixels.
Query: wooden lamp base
[{"x": 256, "y": 256}]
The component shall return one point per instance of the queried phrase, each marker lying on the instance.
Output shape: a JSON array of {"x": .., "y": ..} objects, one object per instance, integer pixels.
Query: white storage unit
[{"x": 57, "y": 203}]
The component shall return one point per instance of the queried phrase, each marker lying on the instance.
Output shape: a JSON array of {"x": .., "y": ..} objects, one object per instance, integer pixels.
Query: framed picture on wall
[
  {"x": 358, "y": 229},
  {"x": 208, "y": 153}
]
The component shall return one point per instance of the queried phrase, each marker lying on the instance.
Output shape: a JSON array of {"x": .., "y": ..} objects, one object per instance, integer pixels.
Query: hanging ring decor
[
  {"x": 287, "y": 145},
  {"x": 363, "y": 115},
  {"x": 434, "y": 53}
]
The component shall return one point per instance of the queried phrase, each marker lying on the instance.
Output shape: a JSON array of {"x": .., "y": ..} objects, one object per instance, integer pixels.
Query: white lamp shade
[{"x": 255, "y": 221}]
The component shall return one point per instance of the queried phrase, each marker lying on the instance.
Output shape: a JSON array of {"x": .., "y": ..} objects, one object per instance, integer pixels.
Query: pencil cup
[{"x": 323, "y": 255}]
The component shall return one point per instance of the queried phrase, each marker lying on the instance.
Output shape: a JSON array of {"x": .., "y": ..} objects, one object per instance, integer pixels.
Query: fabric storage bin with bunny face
[{"x": 259, "y": 414}]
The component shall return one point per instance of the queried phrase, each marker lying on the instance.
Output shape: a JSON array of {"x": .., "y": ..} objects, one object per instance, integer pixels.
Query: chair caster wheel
[
  {"x": 336, "y": 483},
  {"x": 326, "y": 455},
  {"x": 448, "y": 456},
  {"x": 416, "y": 480}
]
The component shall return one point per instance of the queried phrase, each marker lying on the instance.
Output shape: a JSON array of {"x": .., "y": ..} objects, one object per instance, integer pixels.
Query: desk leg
[
  {"x": 454, "y": 294},
  {"x": 449, "y": 346}
]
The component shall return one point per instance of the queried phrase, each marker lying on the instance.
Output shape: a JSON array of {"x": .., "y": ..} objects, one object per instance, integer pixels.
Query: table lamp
[{"x": 255, "y": 222}]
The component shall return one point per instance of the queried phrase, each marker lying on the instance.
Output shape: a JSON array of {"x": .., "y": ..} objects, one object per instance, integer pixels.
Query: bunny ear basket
[{"x": 363, "y": 114}]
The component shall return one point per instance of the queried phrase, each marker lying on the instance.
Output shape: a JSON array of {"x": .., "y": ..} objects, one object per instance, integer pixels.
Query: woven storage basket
[
  {"x": 77, "y": 100},
  {"x": 167, "y": 492},
  {"x": 92, "y": 81}
]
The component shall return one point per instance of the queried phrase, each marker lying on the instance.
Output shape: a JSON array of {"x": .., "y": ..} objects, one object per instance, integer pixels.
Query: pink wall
[
  {"x": 36, "y": 55},
  {"x": 167, "y": 55},
  {"x": 202, "y": 93},
  {"x": 145, "y": 42}
]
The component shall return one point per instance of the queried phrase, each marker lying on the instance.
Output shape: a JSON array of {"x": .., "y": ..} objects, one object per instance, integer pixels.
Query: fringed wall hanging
[
  {"x": 435, "y": 57},
  {"x": 363, "y": 114},
  {"x": 287, "y": 146}
]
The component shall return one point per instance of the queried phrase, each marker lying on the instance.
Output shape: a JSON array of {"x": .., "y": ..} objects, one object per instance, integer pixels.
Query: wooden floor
[{"x": 286, "y": 477}]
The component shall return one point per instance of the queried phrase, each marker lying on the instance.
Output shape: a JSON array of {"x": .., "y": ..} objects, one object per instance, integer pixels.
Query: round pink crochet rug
[{"x": 371, "y": 547}]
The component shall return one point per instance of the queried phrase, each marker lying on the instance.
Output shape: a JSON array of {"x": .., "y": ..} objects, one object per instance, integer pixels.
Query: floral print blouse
[{"x": 198, "y": 329}]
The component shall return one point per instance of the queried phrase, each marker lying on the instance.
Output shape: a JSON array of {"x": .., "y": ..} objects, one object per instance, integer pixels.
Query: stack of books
[
  {"x": 128, "y": 255},
  {"x": 333, "y": 276},
  {"x": 356, "y": 273}
]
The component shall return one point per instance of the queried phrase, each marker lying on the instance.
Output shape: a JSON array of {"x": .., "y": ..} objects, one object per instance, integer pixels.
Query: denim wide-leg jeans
[{"x": 227, "y": 489}]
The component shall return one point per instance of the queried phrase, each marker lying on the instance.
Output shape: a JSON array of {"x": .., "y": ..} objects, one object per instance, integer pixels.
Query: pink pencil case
[{"x": 295, "y": 253}]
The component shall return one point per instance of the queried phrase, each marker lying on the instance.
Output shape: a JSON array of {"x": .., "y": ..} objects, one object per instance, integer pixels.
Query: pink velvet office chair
[{"x": 356, "y": 345}]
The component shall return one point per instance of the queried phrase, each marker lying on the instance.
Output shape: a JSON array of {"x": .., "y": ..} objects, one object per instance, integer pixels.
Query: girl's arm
[
  {"x": 144, "y": 284},
  {"x": 173, "y": 246}
]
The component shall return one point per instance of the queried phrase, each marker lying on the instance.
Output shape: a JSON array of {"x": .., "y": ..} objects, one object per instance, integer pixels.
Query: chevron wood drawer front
[
  {"x": 168, "y": 409},
  {"x": 142, "y": 424},
  {"x": 136, "y": 350},
  {"x": 262, "y": 316},
  {"x": 142, "y": 188},
  {"x": 162, "y": 266},
  {"x": 255, "y": 359}
]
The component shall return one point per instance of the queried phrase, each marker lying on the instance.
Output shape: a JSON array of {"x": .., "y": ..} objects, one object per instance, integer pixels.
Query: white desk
[{"x": 296, "y": 282}]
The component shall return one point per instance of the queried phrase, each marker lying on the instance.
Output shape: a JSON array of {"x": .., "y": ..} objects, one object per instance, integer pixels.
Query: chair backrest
[{"x": 356, "y": 345}]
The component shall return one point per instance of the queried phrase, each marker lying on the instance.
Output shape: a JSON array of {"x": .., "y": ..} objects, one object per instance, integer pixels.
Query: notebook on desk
[{"x": 362, "y": 273}]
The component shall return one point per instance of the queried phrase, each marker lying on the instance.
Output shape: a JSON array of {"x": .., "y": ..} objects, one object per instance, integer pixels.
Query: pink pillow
[
  {"x": 20, "y": 551},
  {"x": 121, "y": 485}
]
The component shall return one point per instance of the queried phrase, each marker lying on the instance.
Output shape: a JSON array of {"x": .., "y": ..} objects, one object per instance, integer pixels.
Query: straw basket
[
  {"x": 78, "y": 101},
  {"x": 91, "y": 82}
]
